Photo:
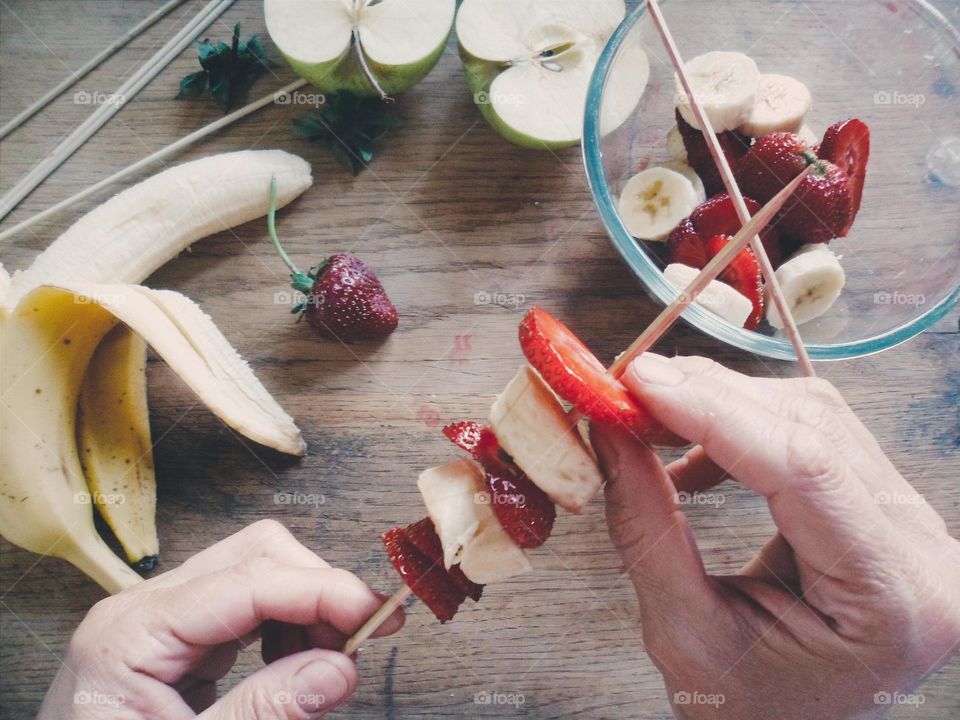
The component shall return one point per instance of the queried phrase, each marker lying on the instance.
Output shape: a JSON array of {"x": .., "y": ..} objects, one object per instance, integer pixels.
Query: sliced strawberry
[
  {"x": 718, "y": 216},
  {"x": 428, "y": 579},
  {"x": 424, "y": 537},
  {"x": 685, "y": 246},
  {"x": 847, "y": 145},
  {"x": 578, "y": 377},
  {"x": 743, "y": 275},
  {"x": 522, "y": 508},
  {"x": 733, "y": 144}
]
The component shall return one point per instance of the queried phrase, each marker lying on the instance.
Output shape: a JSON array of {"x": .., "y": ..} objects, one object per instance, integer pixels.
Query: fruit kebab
[{"x": 485, "y": 511}]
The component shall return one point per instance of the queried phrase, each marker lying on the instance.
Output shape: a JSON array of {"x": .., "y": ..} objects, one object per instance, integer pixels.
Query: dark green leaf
[{"x": 193, "y": 85}]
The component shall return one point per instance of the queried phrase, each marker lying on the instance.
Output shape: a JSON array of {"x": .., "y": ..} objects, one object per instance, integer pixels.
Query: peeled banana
[{"x": 63, "y": 353}]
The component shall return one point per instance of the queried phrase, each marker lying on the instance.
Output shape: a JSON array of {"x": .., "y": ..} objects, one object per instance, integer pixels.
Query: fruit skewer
[
  {"x": 659, "y": 326},
  {"x": 776, "y": 292}
]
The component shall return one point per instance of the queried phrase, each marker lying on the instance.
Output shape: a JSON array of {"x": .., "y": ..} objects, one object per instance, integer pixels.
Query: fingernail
[
  {"x": 319, "y": 685},
  {"x": 656, "y": 370}
]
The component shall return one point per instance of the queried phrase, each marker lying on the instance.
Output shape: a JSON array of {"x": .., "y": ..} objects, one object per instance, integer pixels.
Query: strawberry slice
[
  {"x": 522, "y": 508},
  {"x": 428, "y": 579},
  {"x": 424, "y": 537},
  {"x": 718, "y": 216},
  {"x": 576, "y": 375},
  {"x": 847, "y": 145},
  {"x": 743, "y": 275}
]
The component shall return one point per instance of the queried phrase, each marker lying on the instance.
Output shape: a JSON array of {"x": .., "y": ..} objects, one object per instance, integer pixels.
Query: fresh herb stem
[{"x": 300, "y": 281}]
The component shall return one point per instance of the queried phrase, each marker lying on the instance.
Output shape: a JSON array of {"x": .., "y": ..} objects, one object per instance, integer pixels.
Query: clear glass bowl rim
[{"x": 651, "y": 276}]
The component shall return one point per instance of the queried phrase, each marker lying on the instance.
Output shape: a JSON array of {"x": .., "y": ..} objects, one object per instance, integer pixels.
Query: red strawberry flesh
[
  {"x": 428, "y": 579},
  {"x": 424, "y": 537},
  {"x": 573, "y": 372},
  {"x": 770, "y": 165},
  {"x": 733, "y": 144},
  {"x": 347, "y": 301},
  {"x": 522, "y": 508},
  {"x": 847, "y": 145},
  {"x": 821, "y": 208}
]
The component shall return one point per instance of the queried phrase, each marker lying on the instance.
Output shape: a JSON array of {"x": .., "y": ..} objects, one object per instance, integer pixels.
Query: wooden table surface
[{"x": 448, "y": 210}]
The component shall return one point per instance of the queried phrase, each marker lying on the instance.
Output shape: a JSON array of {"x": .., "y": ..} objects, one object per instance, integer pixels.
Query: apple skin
[{"x": 345, "y": 73}]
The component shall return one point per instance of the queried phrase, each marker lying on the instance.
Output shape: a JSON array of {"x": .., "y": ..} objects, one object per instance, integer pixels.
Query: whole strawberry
[
  {"x": 821, "y": 209},
  {"x": 733, "y": 144},
  {"x": 344, "y": 298},
  {"x": 772, "y": 162},
  {"x": 347, "y": 301}
]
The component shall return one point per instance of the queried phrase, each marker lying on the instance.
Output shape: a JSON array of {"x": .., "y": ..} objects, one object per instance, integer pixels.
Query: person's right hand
[{"x": 845, "y": 609}]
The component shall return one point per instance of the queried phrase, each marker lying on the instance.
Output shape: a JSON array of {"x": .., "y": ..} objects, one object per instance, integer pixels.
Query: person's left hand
[{"x": 157, "y": 650}]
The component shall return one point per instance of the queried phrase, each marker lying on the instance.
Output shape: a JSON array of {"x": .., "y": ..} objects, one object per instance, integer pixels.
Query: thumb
[
  {"x": 647, "y": 527},
  {"x": 298, "y": 687}
]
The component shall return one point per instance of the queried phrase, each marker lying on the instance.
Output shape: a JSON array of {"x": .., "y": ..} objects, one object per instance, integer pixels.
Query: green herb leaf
[
  {"x": 348, "y": 126},
  {"x": 229, "y": 71}
]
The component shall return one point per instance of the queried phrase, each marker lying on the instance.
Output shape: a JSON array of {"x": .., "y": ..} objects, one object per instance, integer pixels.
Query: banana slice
[
  {"x": 654, "y": 201},
  {"x": 675, "y": 146},
  {"x": 809, "y": 137},
  {"x": 727, "y": 85},
  {"x": 690, "y": 174},
  {"x": 717, "y": 297},
  {"x": 782, "y": 105},
  {"x": 811, "y": 280},
  {"x": 533, "y": 428}
]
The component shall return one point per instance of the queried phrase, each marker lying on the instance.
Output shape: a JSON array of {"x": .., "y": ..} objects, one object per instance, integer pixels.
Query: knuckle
[
  {"x": 811, "y": 459},
  {"x": 806, "y": 411},
  {"x": 824, "y": 391},
  {"x": 269, "y": 528},
  {"x": 698, "y": 365},
  {"x": 252, "y": 570}
]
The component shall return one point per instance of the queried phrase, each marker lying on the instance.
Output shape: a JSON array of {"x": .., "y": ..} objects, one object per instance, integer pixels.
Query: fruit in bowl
[{"x": 760, "y": 124}]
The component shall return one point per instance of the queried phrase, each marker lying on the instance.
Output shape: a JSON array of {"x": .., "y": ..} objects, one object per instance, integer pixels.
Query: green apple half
[
  {"x": 529, "y": 62},
  {"x": 369, "y": 47}
]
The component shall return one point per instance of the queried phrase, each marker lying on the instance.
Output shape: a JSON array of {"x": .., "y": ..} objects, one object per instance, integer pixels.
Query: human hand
[
  {"x": 157, "y": 650},
  {"x": 855, "y": 599}
]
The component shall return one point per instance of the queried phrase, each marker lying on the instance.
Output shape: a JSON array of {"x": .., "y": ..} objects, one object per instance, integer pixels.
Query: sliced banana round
[
  {"x": 717, "y": 297},
  {"x": 654, "y": 201},
  {"x": 727, "y": 85},
  {"x": 782, "y": 105},
  {"x": 675, "y": 146},
  {"x": 690, "y": 174},
  {"x": 811, "y": 279}
]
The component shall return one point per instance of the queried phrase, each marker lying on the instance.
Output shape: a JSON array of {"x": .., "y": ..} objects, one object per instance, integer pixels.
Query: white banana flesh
[
  {"x": 458, "y": 503},
  {"x": 137, "y": 231},
  {"x": 782, "y": 105},
  {"x": 116, "y": 452},
  {"x": 534, "y": 429},
  {"x": 717, "y": 297},
  {"x": 675, "y": 146},
  {"x": 726, "y": 84},
  {"x": 690, "y": 174},
  {"x": 812, "y": 280},
  {"x": 654, "y": 201}
]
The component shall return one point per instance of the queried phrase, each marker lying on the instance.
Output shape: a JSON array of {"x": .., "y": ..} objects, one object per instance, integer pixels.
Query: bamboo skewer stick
[
  {"x": 104, "y": 112},
  {"x": 154, "y": 157},
  {"x": 790, "y": 326},
  {"x": 84, "y": 70},
  {"x": 656, "y": 329},
  {"x": 376, "y": 620}
]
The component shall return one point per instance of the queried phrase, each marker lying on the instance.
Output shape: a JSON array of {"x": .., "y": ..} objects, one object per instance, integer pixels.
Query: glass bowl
[{"x": 895, "y": 64}]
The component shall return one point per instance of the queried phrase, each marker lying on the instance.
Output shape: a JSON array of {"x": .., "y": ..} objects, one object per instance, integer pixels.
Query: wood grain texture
[{"x": 447, "y": 210}]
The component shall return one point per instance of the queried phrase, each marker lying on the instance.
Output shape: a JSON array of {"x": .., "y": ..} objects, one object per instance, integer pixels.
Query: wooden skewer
[
  {"x": 776, "y": 292},
  {"x": 84, "y": 70},
  {"x": 376, "y": 620},
  {"x": 637, "y": 347},
  {"x": 104, "y": 112},
  {"x": 159, "y": 155}
]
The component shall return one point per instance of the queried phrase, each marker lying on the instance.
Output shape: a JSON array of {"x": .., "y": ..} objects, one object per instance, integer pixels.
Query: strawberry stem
[{"x": 299, "y": 281}]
